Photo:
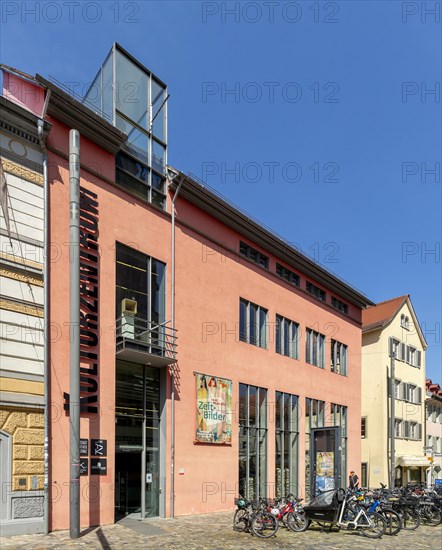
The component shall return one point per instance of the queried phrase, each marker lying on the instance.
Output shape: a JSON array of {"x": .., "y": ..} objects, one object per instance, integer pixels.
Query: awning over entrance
[{"x": 411, "y": 460}]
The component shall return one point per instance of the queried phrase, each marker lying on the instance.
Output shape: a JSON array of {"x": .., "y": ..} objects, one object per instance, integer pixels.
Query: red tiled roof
[
  {"x": 435, "y": 389},
  {"x": 382, "y": 313}
]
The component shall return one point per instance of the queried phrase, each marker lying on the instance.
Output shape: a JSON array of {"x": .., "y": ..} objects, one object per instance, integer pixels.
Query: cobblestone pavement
[{"x": 213, "y": 532}]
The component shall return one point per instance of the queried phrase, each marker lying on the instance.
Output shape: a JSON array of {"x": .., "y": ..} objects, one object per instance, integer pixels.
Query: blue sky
[{"x": 328, "y": 135}]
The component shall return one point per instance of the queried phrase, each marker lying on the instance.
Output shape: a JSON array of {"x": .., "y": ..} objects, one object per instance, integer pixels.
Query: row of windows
[
  {"x": 406, "y": 392},
  {"x": 404, "y": 352},
  {"x": 253, "y": 324},
  {"x": 434, "y": 413},
  {"x": 253, "y": 435},
  {"x": 289, "y": 276},
  {"x": 435, "y": 442},
  {"x": 404, "y": 429}
]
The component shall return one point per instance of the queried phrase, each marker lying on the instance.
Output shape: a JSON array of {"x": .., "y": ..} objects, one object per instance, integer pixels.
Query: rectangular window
[
  {"x": 414, "y": 430},
  {"x": 287, "y": 275},
  {"x": 314, "y": 418},
  {"x": 136, "y": 177},
  {"x": 252, "y": 254},
  {"x": 252, "y": 441},
  {"x": 413, "y": 356},
  {"x": 398, "y": 428},
  {"x": 140, "y": 279},
  {"x": 315, "y": 348},
  {"x": 363, "y": 427},
  {"x": 413, "y": 394},
  {"x": 398, "y": 389},
  {"x": 339, "y": 413},
  {"x": 287, "y": 337},
  {"x": 338, "y": 357},
  {"x": 393, "y": 347},
  {"x": 364, "y": 474},
  {"x": 316, "y": 291},
  {"x": 140, "y": 300},
  {"x": 252, "y": 324},
  {"x": 340, "y": 306},
  {"x": 286, "y": 444}
]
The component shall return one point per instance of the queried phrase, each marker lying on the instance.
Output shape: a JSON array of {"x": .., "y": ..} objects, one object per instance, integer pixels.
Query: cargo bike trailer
[{"x": 336, "y": 509}]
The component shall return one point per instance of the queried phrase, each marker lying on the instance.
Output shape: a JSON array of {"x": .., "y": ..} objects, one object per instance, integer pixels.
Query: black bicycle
[{"x": 252, "y": 517}]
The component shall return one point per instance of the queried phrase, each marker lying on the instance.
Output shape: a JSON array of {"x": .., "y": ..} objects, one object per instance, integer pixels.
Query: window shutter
[
  {"x": 407, "y": 352},
  {"x": 390, "y": 346},
  {"x": 419, "y": 431},
  {"x": 405, "y": 391},
  {"x": 321, "y": 351},
  {"x": 389, "y": 387},
  {"x": 419, "y": 358},
  {"x": 402, "y": 352},
  {"x": 419, "y": 396},
  {"x": 406, "y": 429}
]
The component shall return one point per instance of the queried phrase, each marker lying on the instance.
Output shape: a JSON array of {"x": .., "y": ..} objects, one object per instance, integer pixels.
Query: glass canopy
[{"x": 134, "y": 100}]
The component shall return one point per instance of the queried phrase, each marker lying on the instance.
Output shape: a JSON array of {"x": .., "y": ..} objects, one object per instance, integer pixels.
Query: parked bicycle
[{"x": 252, "y": 517}]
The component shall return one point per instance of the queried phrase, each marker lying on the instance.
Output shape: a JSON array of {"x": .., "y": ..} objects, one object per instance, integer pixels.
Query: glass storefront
[
  {"x": 286, "y": 444},
  {"x": 137, "y": 440},
  {"x": 252, "y": 441}
]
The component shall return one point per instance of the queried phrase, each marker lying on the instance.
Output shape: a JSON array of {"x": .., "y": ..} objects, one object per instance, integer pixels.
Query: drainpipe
[
  {"x": 40, "y": 124},
  {"x": 172, "y": 445},
  {"x": 74, "y": 325},
  {"x": 392, "y": 422}
]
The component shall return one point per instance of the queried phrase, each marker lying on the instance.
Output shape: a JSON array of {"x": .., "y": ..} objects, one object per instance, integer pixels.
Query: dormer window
[{"x": 405, "y": 322}]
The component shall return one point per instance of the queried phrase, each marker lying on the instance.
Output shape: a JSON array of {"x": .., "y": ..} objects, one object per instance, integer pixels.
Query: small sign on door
[{"x": 148, "y": 478}]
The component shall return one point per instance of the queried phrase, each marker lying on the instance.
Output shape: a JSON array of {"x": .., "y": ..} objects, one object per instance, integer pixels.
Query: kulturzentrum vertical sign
[
  {"x": 89, "y": 305},
  {"x": 213, "y": 409}
]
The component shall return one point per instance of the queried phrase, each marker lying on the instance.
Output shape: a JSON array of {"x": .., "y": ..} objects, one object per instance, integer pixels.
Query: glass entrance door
[
  {"x": 137, "y": 469},
  {"x": 325, "y": 459},
  {"x": 127, "y": 484}
]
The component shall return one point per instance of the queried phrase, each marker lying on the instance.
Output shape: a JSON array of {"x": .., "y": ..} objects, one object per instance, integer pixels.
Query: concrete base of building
[{"x": 21, "y": 527}]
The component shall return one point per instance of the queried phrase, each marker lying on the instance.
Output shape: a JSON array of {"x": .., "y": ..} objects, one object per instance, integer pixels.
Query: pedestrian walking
[{"x": 353, "y": 481}]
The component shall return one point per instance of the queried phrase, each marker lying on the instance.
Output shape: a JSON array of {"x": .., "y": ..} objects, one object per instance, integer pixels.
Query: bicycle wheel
[
  {"x": 376, "y": 526},
  {"x": 297, "y": 521},
  {"x": 394, "y": 523},
  {"x": 264, "y": 525},
  {"x": 410, "y": 519},
  {"x": 240, "y": 520},
  {"x": 432, "y": 516}
]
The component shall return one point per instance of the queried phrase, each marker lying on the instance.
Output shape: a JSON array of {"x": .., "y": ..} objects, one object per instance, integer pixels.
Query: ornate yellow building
[
  {"x": 22, "y": 322},
  {"x": 392, "y": 326}
]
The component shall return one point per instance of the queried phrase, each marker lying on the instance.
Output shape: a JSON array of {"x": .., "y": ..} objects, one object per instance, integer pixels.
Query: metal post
[
  {"x": 143, "y": 452},
  {"x": 40, "y": 127},
  {"x": 74, "y": 320},
  {"x": 172, "y": 406},
  {"x": 392, "y": 422}
]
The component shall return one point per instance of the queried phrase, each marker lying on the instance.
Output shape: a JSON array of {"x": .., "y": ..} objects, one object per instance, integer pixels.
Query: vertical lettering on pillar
[{"x": 89, "y": 304}]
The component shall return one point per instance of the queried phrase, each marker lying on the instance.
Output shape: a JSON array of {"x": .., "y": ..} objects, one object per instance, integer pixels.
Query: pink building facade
[{"x": 216, "y": 360}]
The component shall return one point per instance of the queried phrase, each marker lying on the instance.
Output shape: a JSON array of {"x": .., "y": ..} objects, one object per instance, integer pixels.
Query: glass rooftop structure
[{"x": 134, "y": 100}]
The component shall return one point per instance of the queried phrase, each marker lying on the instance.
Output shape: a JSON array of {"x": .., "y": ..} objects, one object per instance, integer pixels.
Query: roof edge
[
  {"x": 209, "y": 201},
  {"x": 75, "y": 114}
]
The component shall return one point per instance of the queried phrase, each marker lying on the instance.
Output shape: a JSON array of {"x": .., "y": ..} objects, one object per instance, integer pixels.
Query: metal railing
[{"x": 135, "y": 333}]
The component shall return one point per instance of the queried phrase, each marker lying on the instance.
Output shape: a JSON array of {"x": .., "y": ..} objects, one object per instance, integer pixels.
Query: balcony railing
[{"x": 142, "y": 341}]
